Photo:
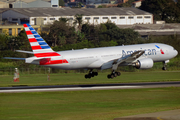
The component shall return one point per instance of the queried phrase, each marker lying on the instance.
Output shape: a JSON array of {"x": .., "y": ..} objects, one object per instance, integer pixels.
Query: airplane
[{"x": 141, "y": 56}]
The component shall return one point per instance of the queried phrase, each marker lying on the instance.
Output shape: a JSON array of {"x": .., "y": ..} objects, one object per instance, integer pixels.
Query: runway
[
  {"x": 163, "y": 115},
  {"x": 19, "y": 89}
]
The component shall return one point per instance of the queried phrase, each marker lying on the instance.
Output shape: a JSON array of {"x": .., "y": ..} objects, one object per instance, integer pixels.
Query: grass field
[
  {"x": 87, "y": 105},
  {"x": 78, "y": 78}
]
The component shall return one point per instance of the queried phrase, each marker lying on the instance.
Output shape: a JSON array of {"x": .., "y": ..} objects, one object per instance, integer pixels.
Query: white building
[
  {"x": 4, "y": 5},
  {"x": 137, "y": 3},
  {"x": 54, "y": 3},
  {"x": 19, "y": 4},
  {"x": 39, "y": 4},
  {"x": 25, "y": 3},
  {"x": 38, "y": 16}
]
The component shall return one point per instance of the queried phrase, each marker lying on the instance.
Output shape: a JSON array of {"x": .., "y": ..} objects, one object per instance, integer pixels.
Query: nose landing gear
[
  {"x": 164, "y": 65},
  {"x": 164, "y": 68}
]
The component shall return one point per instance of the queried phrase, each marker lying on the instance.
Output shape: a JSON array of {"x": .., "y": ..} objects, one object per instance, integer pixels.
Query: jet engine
[{"x": 145, "y": 63}]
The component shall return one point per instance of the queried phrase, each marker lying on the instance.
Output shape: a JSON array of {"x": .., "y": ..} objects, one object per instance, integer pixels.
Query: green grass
[
  {"x": 87, "y": 105},
  {"x": 78, "y": 78}
]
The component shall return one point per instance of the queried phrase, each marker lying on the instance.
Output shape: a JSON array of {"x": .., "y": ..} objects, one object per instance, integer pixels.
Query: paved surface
[
  {"x": 68, "y": 89},
  {"x": 165, "y": 115},
  {"x": 88, "y": 87},
  {"x": 154, "y": 29}
]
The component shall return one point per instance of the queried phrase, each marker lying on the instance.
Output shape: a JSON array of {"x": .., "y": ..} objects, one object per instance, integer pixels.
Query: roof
[
  {"x": 43, "y": 12},
  {"x": 9, "y": 2},
  {"x": 26, "y": 1},
  {"x": 1, "y": 2},
  {"x": 39, "y": 3},
  {"x": 3, "y": 10},
  {"x": 138, "y": 1},
  {"x": 155, "y": 29}
]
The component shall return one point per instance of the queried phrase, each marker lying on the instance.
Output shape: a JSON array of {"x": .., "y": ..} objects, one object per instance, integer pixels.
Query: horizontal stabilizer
[
  {"x": 12, "y": 58},
  {"x": 29, "y": 52}
]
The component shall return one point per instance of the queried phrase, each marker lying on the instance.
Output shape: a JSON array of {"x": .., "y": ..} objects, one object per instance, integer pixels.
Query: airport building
[
  {"x": 14, "y": 30},
  {"x": 42, "y": 16},
  {"x": 26, "y": 3}
]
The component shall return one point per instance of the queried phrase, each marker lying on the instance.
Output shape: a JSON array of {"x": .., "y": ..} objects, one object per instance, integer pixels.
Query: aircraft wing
[
  {"x": 125, "y": 59},
  {"x": 131, "y": 57}
]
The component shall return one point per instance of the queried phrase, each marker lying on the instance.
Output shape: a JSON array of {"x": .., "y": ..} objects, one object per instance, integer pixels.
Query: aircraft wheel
[
  {"x": 118, "y": 73},
  {"x": 115, "y": 74},
  {"x": 112, "y": 76},
  {"x": 86, "y": 76},
  {"x": 95, "y": 73},
  {"x": 91, "y": 75},
  {"x": 164, "y": 68},
  {"x": 109, "y": 76}
]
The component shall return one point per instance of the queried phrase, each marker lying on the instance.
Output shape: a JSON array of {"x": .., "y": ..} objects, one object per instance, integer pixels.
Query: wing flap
[{"x": 107, "y": 65}]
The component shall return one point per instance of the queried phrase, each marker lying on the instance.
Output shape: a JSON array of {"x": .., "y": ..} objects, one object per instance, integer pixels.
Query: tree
[
  {"x": 127, "y": 4},
  {"x": 162, "y": 9},
  {"x": 102, "y": 6},
  {"x": 63, "y": 19},
  {"x": 178, "y": 7},
  {"x": 110, "y": 32},
  {"x": 3, "y": 42},
  {"x": 80, "y": 36},
  {"x": 57, "y": 29},
  {"x": 91, "y": 33},
  {"x": 60, "y": 33},
  {"x": 61, "y": 2},
  {"x": 110, "y": 25},
  {"x": 78, "y": 20},
  {"x": 80, "y": 5},
  {"x": 178, "y": 4},
  {"x": 22, "y": 41}
]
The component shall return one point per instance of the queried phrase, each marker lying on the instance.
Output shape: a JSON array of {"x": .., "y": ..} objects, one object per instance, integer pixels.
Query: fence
[
  {"x": 44, "y": 70},
  {"x": 10, "y": 71}
]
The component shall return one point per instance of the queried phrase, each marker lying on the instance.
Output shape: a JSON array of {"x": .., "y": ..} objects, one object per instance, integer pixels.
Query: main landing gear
[
  {"x": 113, "y": 74},
  {"x": 91, "y": 74}
]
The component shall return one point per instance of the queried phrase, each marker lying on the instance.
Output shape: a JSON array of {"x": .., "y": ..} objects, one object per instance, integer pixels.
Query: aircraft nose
[{"x": 174, "y": 53}]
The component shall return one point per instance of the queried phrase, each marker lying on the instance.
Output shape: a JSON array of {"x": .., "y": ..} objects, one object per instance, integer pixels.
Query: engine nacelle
[{"x": 145, "y": 63}]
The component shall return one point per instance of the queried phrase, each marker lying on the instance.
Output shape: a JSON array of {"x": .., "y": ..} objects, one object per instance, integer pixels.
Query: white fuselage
[{"x": 94, "y": 58}]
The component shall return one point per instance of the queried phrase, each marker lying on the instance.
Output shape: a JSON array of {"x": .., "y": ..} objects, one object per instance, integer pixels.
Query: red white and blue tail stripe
[{"x": 39, "y": 46}]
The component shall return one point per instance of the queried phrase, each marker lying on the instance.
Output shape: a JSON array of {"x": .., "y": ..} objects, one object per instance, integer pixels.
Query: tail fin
[{"x": 39, "y": 46}]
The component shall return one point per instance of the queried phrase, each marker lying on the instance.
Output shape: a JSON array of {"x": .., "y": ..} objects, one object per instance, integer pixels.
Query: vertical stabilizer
[{"x": 39, "y": 47}]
